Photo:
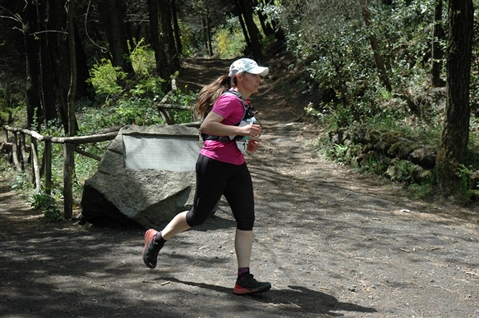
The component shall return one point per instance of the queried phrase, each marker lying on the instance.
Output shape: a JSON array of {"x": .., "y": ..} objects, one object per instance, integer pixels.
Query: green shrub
[
  {"x": 229, "y": 40},
  {"x": 104, "y": 78},
  {"x": 143, "y": 59},
  {"x": 464, "y": 173},
  {"x": 47, "y": 203}
]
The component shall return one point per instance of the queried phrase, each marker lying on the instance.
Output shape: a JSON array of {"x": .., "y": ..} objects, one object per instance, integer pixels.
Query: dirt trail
[{"x": 331, "y": 242}]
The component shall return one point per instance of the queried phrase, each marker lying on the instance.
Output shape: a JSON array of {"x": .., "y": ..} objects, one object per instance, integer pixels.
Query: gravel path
[{"x": 331, "y": 242}]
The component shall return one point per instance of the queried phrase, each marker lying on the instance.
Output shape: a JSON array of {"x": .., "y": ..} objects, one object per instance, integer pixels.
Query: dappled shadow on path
[
  {"x": 331, "y": 242},
  {"x": 290, "y": 300}
]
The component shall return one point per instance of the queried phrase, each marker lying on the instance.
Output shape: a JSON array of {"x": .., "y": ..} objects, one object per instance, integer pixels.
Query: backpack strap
[{"x": 248, "y": 113}]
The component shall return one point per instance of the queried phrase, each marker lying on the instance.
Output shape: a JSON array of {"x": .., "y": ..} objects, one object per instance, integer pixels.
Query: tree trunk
[
  {"x": 174, "y": 54},
  {"x": 157, "y": 45},
  {"x": 378, "y": 59},
  {"x": 69, "y": 161},
  {"x": 153, "y": 30},
  {"x": 84, "y": 87},
  {"x": 72, "y": 127},
  {"x": 167, "y": 37},
  {"x": 207, "y": 34},
  {"x": 246, "y": 10},
  {"x": 60, "y": 67},
  {"x": 455, "y": 134},
  {"x": 437, "y": 53},
  {"x": 112, "y": 13},
  {"x": 47, "y": 14},
  {"x": 31, "y": 63},
  {"x": 265, "y": 25},
  {"x": 176, "y": 29}
]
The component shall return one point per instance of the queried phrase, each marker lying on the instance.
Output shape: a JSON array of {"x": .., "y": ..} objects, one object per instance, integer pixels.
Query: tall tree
[
  {"x": 168, "y": 36},
  {"x": 30, "y": 26},
  {"x": 246, "y": 11},
  {"x": 69, "y": 161},
  {"x": 163, "y": 38},
  {"x": 156, "y": 44},
  {"x": 263, "y": 20},
  {"x": 205, "y": 21},
  {"x": 46, "y": 35},
  {"x": 378, "y": 59},
  {"x": 436, "y": 49},
  {"x": 176, "y": 28},
  {"x": 455, "y": 134},
  {"x": 112, "y": 13},
  {"x": 51, "y": 56}
]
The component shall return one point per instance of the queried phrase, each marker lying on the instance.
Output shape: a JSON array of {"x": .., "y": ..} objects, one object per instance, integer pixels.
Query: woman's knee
[
  {"x": 245, "y": 224},
  {"x": 194, "y": 219}
]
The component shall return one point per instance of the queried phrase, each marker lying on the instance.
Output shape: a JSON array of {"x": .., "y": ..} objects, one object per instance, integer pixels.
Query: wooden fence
[{"x": 25, "y": 157}]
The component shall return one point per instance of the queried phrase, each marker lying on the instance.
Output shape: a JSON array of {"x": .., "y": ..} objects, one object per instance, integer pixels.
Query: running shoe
[
  {"x": 151, "y": 249},
  {"x": 249, "y": 285}
]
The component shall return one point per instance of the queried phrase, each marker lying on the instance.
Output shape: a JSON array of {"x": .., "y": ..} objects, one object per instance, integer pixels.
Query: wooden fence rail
[
  {"x": 25, "y": 157},
  {"x": 20, "y": 149}
]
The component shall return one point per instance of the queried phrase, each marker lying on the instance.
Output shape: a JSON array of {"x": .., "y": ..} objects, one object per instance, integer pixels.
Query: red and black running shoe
[
  {"x": 151, "y": 249},
  {"x": 249, "y": 285}
]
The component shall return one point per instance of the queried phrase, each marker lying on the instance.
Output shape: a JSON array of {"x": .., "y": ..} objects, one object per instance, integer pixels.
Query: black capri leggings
[{"x": 215, "y": 178}]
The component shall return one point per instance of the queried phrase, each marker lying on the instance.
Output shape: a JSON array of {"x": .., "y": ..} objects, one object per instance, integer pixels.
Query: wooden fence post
[
  {"x": 15, "y": 152},
  {"x": 24, "y": 156},
  {"x": 68, "y": 167},
  {"x": 36, "y": 169},
  {"x": 47, "y": 159}
]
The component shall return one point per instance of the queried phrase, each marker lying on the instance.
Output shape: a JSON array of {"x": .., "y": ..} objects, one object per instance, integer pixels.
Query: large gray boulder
[{"x": 145, "y": 178}]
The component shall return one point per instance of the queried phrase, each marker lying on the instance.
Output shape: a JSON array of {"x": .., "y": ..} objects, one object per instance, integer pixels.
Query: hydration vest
[{"x": 247, "y": 115}]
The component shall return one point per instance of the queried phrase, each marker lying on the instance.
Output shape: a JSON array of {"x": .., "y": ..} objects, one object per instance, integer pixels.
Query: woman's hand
[
  {"x": 251, "y": 130},
  {"x": 253, "y": 145}
]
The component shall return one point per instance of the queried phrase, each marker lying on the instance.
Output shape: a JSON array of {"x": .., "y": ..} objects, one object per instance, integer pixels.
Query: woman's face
[{"x": 250, "y": 82}]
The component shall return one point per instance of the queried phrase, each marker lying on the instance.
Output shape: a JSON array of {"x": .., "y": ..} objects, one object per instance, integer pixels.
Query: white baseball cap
[{"x": 247, "y": 65}]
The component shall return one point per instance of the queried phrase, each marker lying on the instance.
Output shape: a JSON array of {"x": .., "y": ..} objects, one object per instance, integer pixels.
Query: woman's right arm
[{"x": 212, "y": 126}]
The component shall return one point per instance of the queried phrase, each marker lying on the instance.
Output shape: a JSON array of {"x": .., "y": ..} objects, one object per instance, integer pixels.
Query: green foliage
[
  {"x": 339, "y": 152},
  {"x": 42, "y": 201},
  {"x": 104, "y": 78},
  {"x": 180, "y": 98},
  {"x": 20, "y": 182},
  {"x": 334, "y": 42},
  {"x": 189, "y": 44},
  {"x": 464, "y": 173},
  {"x": 132, "y": 103},
  {"x": 311, "y": 111},
  {"x": 47, "y": 203},
  {"x": 419, "y": 191},
  {"x": 472, "y": 151},
  {"x": 143, "y": 59},
  {"x": 229, "y": 41},
  {"x": 340, "y": 117},
  {"x": 404, "y": 171},
  {"x": 16, "y": 113}
]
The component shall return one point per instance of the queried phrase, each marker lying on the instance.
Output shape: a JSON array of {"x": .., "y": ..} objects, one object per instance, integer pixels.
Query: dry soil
[{"x": 332, "y": 242}]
